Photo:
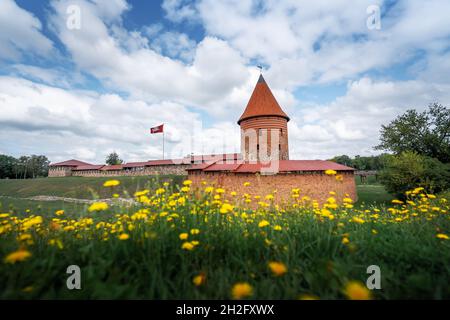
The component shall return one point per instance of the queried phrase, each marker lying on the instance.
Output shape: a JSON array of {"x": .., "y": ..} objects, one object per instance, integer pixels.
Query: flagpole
[{"x": 163, "y": 143}]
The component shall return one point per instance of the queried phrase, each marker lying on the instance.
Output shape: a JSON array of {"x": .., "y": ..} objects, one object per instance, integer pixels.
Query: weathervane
[{"x": 260, "y": 68}]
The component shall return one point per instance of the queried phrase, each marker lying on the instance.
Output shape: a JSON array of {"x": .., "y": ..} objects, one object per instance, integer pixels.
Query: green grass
[
  {"x": 77, "y": 187},
  {"x": 232, "y": 248}
]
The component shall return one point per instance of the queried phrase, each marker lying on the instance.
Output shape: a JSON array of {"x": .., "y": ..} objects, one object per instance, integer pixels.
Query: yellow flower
[
  {"x": 220, "y": 190},
  {"x": 225, "y": 208},
  {"x": 442, "y": 236},
  {"x": 185, "y": 189},
  {"x": 209, "y": 189},
  {"x": 23, "y": 237},
  {"x": 187, "y": 246},
  {"x": 111, "y": 183},
  {"x": 339, "y": 177},
  {"x": 183, "y": 236},
  {"x": 195, "y": 231},
  {"x": 19, "y": 255},
  {"x": 32, "y": 221},
  {"x": 59, "y": 212},
  {"x": 358, "y": 220},
  {"x": 124, "y": 236},
  {"x": 98, "y": 206},
  {"x": 347, "y": 200},
  {"x": 187, "y": 182},
  {"x": 395, "y": 201},
  {"x": 160, "y": 191},
  {"x": 263, "y": 223},
  {"x": 269, "y": 197},
  {"x": 233, "y": 193},
  {"x": 345, "y": 240},
  {"x": 308, "y": 297},
  {"x": 355, "y": 290},
  {"x": 246, "y": 184},
  {"x": 330, "y": 172},
  {"x": 241, "y": 290},
  {"x": 141, "y": 193},
  {"x": 277, "y": 268},
  {"x": 199, "y": 279},
  {"x": 277, "y": 228}
]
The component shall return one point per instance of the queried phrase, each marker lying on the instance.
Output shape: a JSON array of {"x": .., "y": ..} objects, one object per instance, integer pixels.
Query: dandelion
[
  {"x": 308, "y": 297},
  {"x": 209, "y": 189},
  {"x": 195, "y": 231},
  {"x": 183, "y": 236},
  {"x": 442, "y": 236},
  {"x": 98, "y": 206},
  {"x": 124, "y": 236},
  {"x": 277, "y": 228},
  {"x": 339, "y": 177},
  {"x": 185, "y": 189},
  {"x": 226, "y": 208},
  {"x": 263, "y": 223},
  {"x": 187, "y": 182},
  {"x": 246, "y": 184},
  {"x": 19, "y": 255},
  {"x": 355, "y": 290},
  {"x": 199, "y": 280},
  {"x": 345, "y": 240},
  {"x": 241, "y": 290},
  {"x": 395, "y": 201},
  {"x": 187, "y": 246},
  {"x": 111, "y": 183},
  {"x": 330, "y": 172},
  {"x": 277, "y": 268},
  {"x": 59, "y": 212}
]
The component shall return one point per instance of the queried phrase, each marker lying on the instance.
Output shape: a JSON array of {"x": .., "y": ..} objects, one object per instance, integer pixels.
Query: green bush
[{"x": 410, "y": 170}]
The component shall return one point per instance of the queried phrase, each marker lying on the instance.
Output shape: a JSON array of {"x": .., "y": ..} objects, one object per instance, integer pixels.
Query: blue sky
[{"x": 128, "y": 65}]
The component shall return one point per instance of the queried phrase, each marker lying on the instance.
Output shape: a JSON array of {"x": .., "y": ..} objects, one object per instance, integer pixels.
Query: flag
[{"x": 157, "y": 129}]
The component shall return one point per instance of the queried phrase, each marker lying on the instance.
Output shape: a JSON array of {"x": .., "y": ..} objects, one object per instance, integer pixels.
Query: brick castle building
[{"x": 263, "y": 162}]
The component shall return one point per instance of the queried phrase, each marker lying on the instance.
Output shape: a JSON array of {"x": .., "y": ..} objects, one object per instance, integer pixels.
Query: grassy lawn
[
  {"x": 12, "y": 191},
  {"x": 179, "y": 246},
  {"x": 78, "y": 187}
]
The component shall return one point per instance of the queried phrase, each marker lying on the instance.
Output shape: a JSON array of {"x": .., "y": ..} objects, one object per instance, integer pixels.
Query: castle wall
[
  {"x": 175, "y": 169},
  {"x": 315, "y": 185},
  {"x": 59, "y": 172}
]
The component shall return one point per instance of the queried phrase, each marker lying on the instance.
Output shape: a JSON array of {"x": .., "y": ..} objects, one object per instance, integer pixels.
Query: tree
[
  {"x": 113, "y": 159},
  {"x": 410, "y": 170},
  {"x": 427, "y": 133},
  {"x": 7, "y": 166}
]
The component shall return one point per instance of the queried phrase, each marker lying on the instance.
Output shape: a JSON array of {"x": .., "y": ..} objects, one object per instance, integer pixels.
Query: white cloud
[
  {"x": 87, "y": 125},
  {"x": 350, "y": 124},
  {"x": 20, "y": 33},
  {"x": 215, "y": 71}
]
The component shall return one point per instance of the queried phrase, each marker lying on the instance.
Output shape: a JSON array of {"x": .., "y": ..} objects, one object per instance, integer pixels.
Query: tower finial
[{"x": 260, "y": 68}]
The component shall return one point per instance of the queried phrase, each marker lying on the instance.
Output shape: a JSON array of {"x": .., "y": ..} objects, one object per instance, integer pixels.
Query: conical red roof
[{"x": 262, "y": 103}]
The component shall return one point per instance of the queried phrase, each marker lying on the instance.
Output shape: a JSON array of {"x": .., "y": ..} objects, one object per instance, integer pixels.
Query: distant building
[{"x": 263, "y": 162}]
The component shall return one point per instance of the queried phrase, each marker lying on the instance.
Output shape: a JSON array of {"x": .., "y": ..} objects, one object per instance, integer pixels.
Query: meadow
[{"x": 176, "y": 242}]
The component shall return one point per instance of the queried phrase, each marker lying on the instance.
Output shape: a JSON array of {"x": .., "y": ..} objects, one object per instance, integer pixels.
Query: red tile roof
[
  {"x": 283, "y": 166},
  {"x": 262, "y": 103},
  {"x": 69, "y": 163},
  {"x": 88, "y": 167}
]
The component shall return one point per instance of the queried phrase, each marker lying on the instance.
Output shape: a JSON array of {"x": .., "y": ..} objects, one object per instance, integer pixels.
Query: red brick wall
[
  {"x": 315, "y": 185},
  {"x": 269, "y": 123}
]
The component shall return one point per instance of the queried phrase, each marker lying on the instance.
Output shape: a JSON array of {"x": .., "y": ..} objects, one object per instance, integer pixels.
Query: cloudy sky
[{"x": 81, "y": 78}]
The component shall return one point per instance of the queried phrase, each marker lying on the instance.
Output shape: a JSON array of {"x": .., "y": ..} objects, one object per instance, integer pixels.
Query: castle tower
[{"x": 264, "y": 133}]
